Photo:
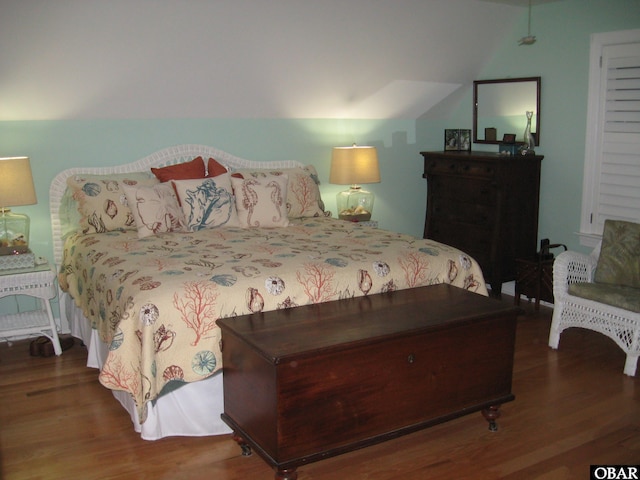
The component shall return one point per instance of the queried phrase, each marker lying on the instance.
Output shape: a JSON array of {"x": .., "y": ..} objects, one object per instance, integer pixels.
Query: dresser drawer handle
[{"x": 411, "y": 358}]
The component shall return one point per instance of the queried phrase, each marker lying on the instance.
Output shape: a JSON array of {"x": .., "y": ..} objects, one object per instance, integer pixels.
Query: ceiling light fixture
[{"x": 529, "y": 39}]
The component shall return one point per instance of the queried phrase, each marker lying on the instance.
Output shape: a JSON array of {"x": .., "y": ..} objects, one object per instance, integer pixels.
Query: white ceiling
[{"x": 242, "y": 58}]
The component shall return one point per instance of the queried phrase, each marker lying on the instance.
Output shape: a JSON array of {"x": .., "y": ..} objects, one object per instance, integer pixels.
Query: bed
[{"x": 151, "y": 253}]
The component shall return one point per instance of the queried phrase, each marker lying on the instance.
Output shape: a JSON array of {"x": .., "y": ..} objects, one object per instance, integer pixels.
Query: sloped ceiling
[{"x": 81, "y": 59}]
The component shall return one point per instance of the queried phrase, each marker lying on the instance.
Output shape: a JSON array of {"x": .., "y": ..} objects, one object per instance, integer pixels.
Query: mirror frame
[{"x": 538, "y": 82}]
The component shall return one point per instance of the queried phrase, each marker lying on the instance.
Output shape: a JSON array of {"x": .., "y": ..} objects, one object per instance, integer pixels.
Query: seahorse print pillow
[
  {"x": 303, "y": 194},
  {"x": 207, "y": 202},
  {"x": 261, "y": 201}
]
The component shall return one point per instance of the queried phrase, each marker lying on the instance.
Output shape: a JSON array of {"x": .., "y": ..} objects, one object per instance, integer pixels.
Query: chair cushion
[
  {"x": 624, "y": 297},
  {"x": 619, "y": 261}
]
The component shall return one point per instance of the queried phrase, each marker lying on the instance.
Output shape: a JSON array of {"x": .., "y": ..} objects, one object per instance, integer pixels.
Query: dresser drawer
[
  {"x": 475, "y": 240},
  {"x": 466, "y": 189},
  {"x": 456, "y": 211},
  {"x": 453, "y": 166}
]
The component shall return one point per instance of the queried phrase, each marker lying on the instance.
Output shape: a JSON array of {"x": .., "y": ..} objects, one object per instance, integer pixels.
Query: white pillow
[
  {"x": 261, "y": 202},
  {"x": 207, "y": 202},
  {"x": 155, "y": 209}
]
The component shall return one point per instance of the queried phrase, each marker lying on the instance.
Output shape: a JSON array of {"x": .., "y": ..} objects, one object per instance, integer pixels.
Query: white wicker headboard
[{"x": 166, "y": 156}]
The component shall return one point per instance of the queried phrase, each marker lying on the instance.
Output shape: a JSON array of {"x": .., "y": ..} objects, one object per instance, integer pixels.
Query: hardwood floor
[{"x": 574, "y": 407}]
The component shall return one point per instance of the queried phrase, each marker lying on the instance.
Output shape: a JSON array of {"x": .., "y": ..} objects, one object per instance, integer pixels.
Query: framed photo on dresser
[
  {"x": 451, "y": 139},
  {"x": 457, "y": 139}
]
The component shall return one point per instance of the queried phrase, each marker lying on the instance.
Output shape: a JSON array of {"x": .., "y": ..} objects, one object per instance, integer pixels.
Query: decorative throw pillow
[
  {"x": 214, "y": 168},
  {"x": 207, "y": 203},
  {"x": 155, "y": 209},
  {"x": 102, "y": 204},
  {"x": 619, "y": 260},
  {"x": 181, "y": 171},
  {"x": 260, "y": 202},
  {"x": 303, "y": 194}
]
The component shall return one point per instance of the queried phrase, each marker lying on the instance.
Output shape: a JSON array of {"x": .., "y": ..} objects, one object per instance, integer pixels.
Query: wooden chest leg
[
  {"x": 287, "y": 474},
  {"x": 246, "y": 448},
  {"x": 491, "y": 414}
]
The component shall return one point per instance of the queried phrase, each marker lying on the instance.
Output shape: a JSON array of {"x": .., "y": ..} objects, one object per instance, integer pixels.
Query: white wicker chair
[{"x": 622, "y": 326}]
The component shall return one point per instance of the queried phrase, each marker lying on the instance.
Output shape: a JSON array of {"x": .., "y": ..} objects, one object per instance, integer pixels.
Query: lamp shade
[
  {"x": 16, "y": 182},
  {"x": 16, "y": 189},
  {"x": 354, "y": 165}
]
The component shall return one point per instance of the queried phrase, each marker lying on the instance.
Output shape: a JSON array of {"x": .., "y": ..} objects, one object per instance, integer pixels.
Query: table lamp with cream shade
[
  {"x": 352, "y": 166},
  {"x": 16, "y": 189}
]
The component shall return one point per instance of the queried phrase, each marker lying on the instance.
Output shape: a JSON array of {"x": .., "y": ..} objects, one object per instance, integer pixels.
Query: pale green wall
[{"x": 561, "y": 57}]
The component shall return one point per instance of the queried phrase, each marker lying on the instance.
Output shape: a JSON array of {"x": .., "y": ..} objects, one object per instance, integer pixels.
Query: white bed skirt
[{"x": 192, "y": 410}]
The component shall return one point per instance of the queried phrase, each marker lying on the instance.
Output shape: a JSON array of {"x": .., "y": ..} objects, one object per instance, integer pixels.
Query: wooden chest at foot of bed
[{"x": 306, "y": 383}]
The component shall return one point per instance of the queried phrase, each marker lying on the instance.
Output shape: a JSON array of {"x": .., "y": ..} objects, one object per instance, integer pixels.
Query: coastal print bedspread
[{"x": 155, "y": 300}]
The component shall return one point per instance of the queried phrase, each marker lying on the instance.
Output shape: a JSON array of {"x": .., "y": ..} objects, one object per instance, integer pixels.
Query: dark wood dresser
[
  {"x": 311, "y": 382},
  {"x": 485, "y": 204}
]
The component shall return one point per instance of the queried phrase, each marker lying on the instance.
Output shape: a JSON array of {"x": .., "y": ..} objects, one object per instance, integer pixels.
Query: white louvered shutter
[{"x": 614, "y": 179}]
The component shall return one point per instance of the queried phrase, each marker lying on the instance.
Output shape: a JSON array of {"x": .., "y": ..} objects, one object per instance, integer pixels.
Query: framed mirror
[{"x": 500, "y": 106}]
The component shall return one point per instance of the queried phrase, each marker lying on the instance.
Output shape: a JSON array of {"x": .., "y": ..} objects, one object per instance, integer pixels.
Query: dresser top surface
[
  {"x": 485, "y": 156},
  {"x": 361, "y": 320}
]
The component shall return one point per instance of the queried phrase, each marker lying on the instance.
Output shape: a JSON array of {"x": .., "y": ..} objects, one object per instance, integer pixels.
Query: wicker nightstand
[{"x": 37, "y": 282}]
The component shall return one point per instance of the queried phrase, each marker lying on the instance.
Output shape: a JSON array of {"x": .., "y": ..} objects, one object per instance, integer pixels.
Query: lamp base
[
  {"x": 14, "y": 233},
  {"x": 355, "y": 204}
]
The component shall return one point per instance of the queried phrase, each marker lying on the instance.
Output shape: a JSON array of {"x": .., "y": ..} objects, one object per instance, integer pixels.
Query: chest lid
[{"x": 281, "y": 335}]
